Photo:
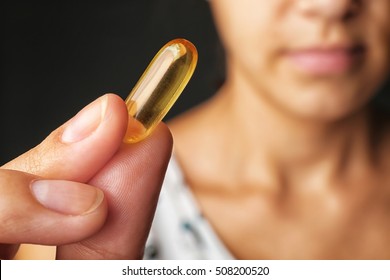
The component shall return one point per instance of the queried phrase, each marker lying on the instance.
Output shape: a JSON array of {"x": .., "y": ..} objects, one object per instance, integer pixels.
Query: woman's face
[{"x": 321, "y": 59}]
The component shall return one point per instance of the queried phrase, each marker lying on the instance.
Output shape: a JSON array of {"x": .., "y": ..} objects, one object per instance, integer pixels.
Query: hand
[{"x": 83, "y": 190}]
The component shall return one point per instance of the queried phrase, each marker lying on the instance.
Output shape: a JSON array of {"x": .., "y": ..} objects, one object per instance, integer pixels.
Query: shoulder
[{"x": 179, "y": 230}]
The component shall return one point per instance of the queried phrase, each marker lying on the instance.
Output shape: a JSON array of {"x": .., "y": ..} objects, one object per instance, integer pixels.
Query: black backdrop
[{"x": 57, "y": 56}]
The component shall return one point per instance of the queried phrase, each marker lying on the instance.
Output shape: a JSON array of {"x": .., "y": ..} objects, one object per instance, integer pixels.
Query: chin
[{"x": 328, "y": 105}]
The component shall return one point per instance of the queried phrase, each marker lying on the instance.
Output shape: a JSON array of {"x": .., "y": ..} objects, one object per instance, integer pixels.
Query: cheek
[
  {"x": 377, "y": 32},
  {"x": 244, "y": 27},
  {"x": 379, "y": 53}
]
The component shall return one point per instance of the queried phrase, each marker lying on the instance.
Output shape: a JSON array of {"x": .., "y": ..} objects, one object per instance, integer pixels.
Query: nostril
[{"x": 353, "y": 9}]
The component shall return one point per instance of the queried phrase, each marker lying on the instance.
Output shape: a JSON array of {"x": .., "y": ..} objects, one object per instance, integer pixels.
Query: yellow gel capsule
[{"x": 159, "y": 87}]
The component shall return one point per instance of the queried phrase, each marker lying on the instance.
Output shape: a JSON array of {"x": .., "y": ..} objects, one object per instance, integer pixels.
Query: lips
[{"x": 325, "y": 60}]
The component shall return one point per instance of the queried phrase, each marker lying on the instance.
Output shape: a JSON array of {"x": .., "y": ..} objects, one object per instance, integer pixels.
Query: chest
[{"x": 262, "y": 228}]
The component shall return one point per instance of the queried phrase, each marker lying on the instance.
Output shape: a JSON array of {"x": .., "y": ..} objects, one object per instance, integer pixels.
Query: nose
[{"x": 331, "y": 9}]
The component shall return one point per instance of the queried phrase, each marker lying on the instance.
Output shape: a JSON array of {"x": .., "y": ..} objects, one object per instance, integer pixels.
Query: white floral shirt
[{"x": 179, "y": 230}]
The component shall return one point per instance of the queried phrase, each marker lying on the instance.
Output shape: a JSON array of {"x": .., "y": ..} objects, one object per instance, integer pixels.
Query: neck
[{"x": 288, "y": 149}]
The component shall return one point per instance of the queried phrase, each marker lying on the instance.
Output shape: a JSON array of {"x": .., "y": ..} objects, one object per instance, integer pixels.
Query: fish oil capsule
[{"x": 159, "y": 87}]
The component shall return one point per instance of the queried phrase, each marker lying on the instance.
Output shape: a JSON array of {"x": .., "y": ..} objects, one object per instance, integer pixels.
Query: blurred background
[{"x": 58, "y": 56}]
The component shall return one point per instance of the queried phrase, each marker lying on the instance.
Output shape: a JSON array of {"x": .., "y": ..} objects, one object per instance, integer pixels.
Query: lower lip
[{"x": 324, "y": 62}]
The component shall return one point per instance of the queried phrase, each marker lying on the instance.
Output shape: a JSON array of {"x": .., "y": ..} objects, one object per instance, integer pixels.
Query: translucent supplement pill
[{"x": 159, "y": 87}]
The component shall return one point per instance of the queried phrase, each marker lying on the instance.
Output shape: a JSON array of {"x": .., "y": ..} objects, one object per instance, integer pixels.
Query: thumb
[
  {"x": 35, "y": 210},
  {"x": 131, "y": 181}
]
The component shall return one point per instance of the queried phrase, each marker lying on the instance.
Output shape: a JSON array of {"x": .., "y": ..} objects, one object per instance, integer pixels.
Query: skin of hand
[{"x": 83, "y": 190}]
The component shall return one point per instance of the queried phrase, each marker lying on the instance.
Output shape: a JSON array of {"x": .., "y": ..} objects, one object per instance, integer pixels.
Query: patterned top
[{"x": 179, "y": 230}]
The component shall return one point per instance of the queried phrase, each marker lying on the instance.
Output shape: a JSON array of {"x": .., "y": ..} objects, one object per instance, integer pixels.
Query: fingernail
[
  {"x": 66, "y": 197},
  {"x": 85, "y": 122}
]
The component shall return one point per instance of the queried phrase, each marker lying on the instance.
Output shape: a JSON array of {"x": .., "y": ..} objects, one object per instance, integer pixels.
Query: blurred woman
[{"x": 288, "y": 160}]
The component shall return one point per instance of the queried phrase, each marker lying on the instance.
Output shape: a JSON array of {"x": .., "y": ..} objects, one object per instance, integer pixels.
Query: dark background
[{"x": 58, "y": 56}]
